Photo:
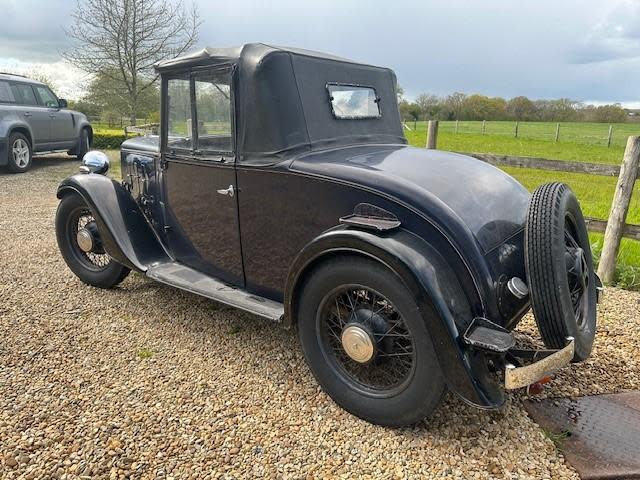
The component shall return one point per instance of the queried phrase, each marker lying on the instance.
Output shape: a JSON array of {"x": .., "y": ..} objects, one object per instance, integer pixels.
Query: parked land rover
[{"x": 34, "y": 120}]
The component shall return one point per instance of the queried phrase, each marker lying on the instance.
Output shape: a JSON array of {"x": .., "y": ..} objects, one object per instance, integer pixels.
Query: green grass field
[
  {"x": 578, "y": 142},
  {"x": 585, "y": 142}
]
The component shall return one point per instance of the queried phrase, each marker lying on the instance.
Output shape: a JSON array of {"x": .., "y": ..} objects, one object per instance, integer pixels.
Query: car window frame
[
  {"x": 353, "y": 117},
  {"x": 164, "y": 124},
  {"x": 6, "y": 102},
  {"x": 193, "y": 154},
  {"x": 226, "y": 156},
  {"x": 41, "y": 103},
  {"x": 33, "y": 90}
]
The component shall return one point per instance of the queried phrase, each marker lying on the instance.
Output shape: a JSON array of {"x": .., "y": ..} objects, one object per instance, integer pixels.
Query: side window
[
  {"x": 213, "y": 111},
  {"x": 179, "y": 132},
  {"x": 23, "y": 94},
  {"x": 6, "y": 95},
  {"x": 47, "y": 98}
]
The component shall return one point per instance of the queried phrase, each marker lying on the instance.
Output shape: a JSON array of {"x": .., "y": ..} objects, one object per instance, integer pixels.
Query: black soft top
[{"x": 282, "y": 103}]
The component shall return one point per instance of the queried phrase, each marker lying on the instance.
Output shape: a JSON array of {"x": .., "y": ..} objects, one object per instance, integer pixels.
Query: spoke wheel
[
  {"x": 81, "y": 246},
  {"x": 366, "y": 340},
  {"x": 560, "y": 269},
  {"x": 96, "y": 259}
]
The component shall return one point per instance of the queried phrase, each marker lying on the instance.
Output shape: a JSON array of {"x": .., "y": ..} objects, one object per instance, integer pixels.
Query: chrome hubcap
[
  {"x": 20, "y": 153},
  {"x": 357, "y": 343},
  {"x": 85, "y": 240}
]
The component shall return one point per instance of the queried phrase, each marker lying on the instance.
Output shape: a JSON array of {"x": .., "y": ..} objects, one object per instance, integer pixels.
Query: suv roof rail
[{"x": 13, "y": 74}]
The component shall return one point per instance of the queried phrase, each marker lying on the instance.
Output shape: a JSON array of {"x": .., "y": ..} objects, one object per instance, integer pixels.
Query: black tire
[
  {"x": 415, "y": 394},
  {"x": 83, "y": 144},
  {"x": 19, "y": 162},
  {"x": 559, "y": 268},
  {"x": 94, "y": 268}
]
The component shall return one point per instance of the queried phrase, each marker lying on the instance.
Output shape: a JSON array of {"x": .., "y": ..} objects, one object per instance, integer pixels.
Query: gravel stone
[{"x": 225, "y": 395}]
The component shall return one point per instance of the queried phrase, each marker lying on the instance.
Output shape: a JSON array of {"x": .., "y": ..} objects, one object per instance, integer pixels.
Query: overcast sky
[{"x": 587, "y": 50}]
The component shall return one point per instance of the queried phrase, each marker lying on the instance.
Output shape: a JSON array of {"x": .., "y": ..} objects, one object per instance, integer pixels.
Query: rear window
[
  {"x": 23, "y": 94},
  {"x": 6, "y": 95},
  {"x": 353, "y": 101}
]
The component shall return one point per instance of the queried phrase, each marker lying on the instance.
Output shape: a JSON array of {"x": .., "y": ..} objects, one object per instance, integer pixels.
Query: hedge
[{"x": 108, "y": 141}]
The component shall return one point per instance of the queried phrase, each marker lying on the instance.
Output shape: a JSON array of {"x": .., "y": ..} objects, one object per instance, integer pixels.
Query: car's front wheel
[
  {"x": 19, "y": 153},
  {"x": 367, "y": 344},
  {"x": 80, "y": 245},
  {"x": 84, "y": 144}
]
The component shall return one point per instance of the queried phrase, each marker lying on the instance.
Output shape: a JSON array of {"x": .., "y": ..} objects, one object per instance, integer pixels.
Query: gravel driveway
[{"x": 148, "y": 382}]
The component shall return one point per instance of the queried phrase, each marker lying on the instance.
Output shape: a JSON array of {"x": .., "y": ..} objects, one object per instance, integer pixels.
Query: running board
[{"x": 185, "y": 278}]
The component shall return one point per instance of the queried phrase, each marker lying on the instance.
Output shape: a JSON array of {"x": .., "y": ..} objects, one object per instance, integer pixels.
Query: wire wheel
[
  {"x": 577, "y": 272},
  {"x": 365, "y": 340},
  {"x": 96, "y": 259}
]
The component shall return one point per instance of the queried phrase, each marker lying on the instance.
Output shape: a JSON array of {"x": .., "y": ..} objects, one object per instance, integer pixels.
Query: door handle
[
  {"x": 52, "y": 116},
  {"x": 227, "y": 191},
  {"x": 27, "y": 114}
]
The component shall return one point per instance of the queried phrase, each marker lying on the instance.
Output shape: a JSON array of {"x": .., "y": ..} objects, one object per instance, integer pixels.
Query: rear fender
[
  {"x": 124, "y": 230},
  {"x": 436, "y": 290}
]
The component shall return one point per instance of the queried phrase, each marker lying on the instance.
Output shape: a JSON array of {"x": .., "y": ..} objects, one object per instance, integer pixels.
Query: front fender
[
  {"x": 444, "y": 304},
  {"x": 124, "y": 230}
]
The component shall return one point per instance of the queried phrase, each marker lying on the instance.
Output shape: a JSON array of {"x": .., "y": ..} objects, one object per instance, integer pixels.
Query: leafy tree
[
  {"x": 121, "y": 40},
  {"x": 454, "y": 104},
  {"x": 521, "y": 108},
  {"x": 430, "y": 105}
]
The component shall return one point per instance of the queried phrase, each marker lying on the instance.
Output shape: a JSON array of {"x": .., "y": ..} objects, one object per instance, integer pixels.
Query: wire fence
[{"x": 578, "y": 132}]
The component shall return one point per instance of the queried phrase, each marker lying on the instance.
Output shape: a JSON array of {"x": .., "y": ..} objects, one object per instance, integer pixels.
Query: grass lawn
[{"x": 586, "y": 142}]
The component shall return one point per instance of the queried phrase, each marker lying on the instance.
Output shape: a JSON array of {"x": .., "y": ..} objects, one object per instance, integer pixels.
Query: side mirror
[
  {"x": 95, "y": 162},
  {"x": 62, "y": 103}
]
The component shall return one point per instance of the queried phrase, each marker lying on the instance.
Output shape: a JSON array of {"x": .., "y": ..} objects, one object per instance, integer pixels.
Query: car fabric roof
[{"x": 282, "y": 104}]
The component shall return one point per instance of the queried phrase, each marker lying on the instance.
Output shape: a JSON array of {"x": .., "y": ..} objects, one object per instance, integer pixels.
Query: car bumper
[{"x": 518, "y": 377}]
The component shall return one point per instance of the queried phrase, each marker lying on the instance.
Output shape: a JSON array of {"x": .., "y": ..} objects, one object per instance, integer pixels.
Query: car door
[
  {"x": 36, "y": 116},
  {"x": 61, "y": 125},
  {"x": 199, "y": 177}
]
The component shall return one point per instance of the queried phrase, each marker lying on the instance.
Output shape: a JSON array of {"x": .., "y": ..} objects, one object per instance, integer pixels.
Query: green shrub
[{"x": 108, "y": 141}]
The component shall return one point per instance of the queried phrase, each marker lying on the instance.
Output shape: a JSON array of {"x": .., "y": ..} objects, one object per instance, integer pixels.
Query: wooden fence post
[
  {"x": 483, "y": 126},
  {"x": 557, "y": 132},
  {"x": 516, "y": 132},
  {"x": 456, "y": 130},
  {"x": 619, "y": 209},
  {"x": 432, "y": 134},
  {"x": 609, "y": 137}
]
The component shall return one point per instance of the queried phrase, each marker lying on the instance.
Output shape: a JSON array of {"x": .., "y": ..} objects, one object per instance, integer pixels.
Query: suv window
[
  {"x": 213, "y": 109},
  {"x": 6, "y": 95},
  {"x": 47, "y": 98},
  {"x": 23, "y": 94},
  {"x": 179, "y": 113}
]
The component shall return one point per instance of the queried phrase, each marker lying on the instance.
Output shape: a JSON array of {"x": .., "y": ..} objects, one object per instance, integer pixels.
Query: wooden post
[
  {"x": 456, "y": 130},
  {"x": 483, "y": 126},
  {"x": 557, "y": 132},
  {"x": 516, "y": 132},
  {"x": 432, "y": 134},
  {"x": 619, "y": 209},
  {"x": 609, "y": 137}
]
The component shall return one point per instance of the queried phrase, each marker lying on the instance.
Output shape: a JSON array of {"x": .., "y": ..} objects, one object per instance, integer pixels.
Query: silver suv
[{"x": 34, "y": 120}]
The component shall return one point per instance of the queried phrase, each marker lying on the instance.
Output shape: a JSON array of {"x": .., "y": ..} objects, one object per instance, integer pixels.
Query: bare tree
[{"x": 122, "y": 39}]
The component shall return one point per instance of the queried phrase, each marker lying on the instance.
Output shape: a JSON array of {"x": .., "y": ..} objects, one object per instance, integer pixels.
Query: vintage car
[{"x": 282, "y": 184}]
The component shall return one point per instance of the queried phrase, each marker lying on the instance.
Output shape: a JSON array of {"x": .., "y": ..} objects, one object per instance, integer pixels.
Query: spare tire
[{"x": 559, "y": 267}]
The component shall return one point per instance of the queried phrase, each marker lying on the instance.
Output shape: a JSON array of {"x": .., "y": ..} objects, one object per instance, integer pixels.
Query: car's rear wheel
[
  {"x": 19, "y": 153},
  {"x": 80, "y": 245},
  {"x": 559, "y": 268},
  {"x": 367, "y": 344}
]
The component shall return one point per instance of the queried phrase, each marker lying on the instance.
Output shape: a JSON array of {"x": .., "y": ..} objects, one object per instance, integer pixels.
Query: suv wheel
[
  {"x": 19, "y": 153},
  {"x": 83, "y": 144}
]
